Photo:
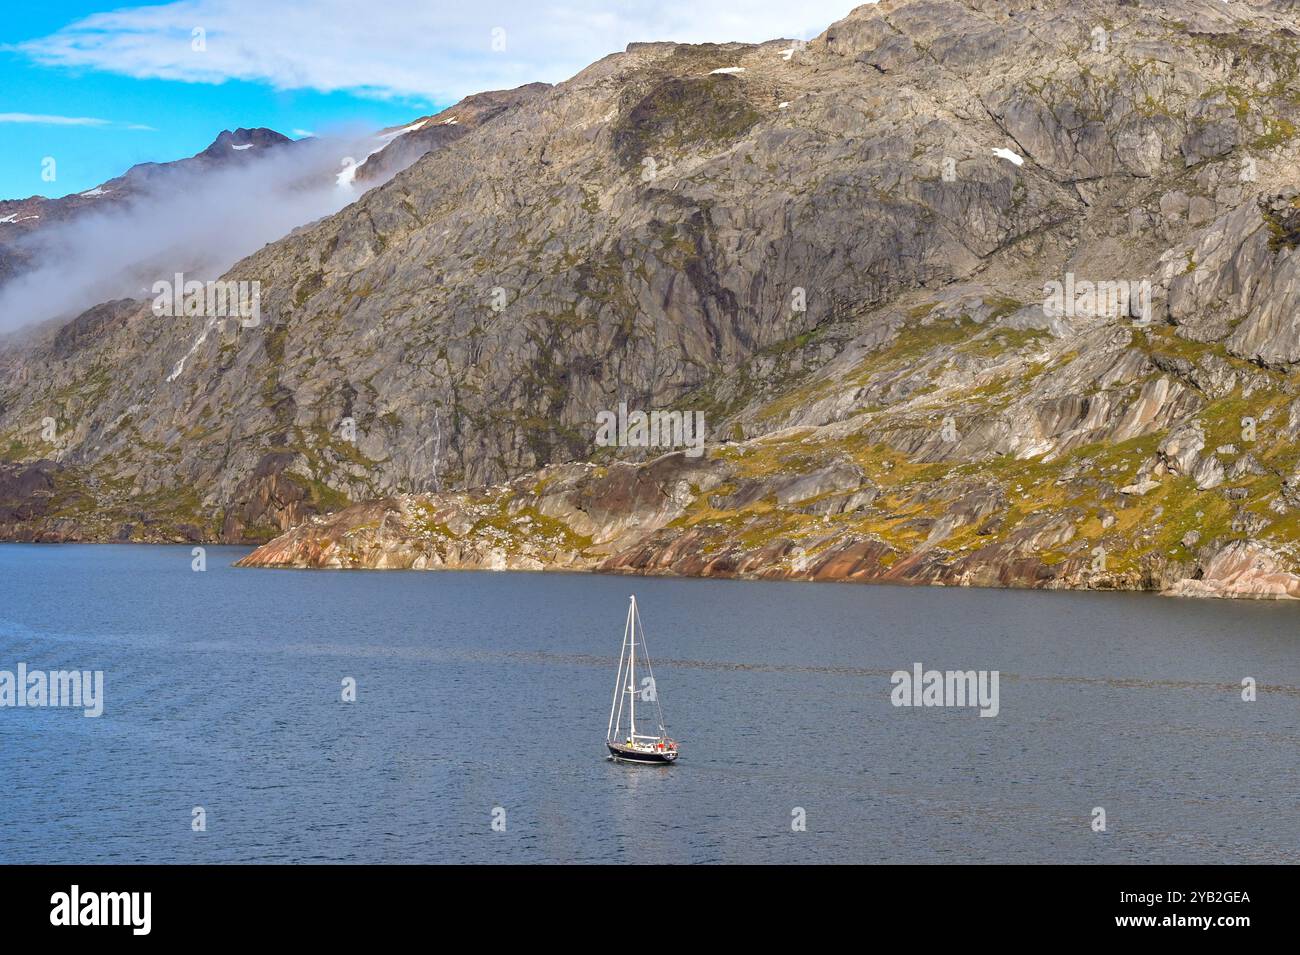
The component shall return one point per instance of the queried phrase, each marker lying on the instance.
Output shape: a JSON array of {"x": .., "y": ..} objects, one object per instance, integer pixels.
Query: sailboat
[{"x": 634, "y": 747}]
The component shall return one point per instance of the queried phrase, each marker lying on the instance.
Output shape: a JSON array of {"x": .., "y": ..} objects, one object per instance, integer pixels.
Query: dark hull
[{"x": 636, "y": 756}]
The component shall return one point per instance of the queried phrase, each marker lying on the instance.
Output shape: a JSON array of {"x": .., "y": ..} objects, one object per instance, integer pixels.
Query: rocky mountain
[
  {"x": 429, "y": 133},
  {"x": 986, "y": 293}
]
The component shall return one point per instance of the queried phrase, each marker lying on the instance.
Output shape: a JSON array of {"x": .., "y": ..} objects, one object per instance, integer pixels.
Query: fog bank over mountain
[{"x": 196, "y": 217}]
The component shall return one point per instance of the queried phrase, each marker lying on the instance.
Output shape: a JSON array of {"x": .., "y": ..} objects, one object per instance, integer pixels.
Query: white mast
[
  {"x": 618, "y": 681},
  {"x": 650, "y": 666},
  {"x": 631, "y": 672}
]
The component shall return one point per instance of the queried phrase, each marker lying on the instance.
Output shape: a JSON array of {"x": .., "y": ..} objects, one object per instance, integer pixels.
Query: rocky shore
[{"x": 656, "y": 519}]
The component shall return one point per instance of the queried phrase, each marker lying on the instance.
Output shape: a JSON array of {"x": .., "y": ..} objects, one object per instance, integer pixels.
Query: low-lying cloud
[{"x": 199, "y": 221}]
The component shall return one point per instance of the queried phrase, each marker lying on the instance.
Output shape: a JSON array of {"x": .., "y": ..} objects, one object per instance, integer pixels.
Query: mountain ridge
[{"x": 470, "y": 327}]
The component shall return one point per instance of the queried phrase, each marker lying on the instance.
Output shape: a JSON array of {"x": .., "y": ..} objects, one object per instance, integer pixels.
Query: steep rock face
[
  {"x": 839, "y": 253},
  {"x": 1241, "y": 569},
  {"x": 91, "y": 326},
  {"x": 1239, "y": 284},
  {"x": 26, "y": 493}
]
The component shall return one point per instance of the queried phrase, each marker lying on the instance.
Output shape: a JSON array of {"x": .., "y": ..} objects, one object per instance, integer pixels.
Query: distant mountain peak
[{"x": 243, "y": 139}]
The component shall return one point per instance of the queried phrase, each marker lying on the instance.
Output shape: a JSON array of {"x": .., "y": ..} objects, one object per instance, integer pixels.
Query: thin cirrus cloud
[
  {"x": 435, "y": 51},
  {"x": 47, "y": 119}
]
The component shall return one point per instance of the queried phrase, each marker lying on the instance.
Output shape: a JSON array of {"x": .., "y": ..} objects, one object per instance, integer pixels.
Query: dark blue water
[{"x": 479, "y": 690}]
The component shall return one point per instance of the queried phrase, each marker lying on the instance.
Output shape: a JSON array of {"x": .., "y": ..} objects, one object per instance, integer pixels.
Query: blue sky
[
  {"x": 98, "y": 87},
  {"x": 183, "y": 118}
]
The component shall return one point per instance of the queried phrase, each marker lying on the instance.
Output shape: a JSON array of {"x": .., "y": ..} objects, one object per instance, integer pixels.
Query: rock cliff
[{"x": 983, "y": 293}]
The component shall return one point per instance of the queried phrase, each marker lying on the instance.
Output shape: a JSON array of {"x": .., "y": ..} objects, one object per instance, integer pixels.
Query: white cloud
[
  {"x": 433, "y": 51},
  {"x": 47, "y": 120}
]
